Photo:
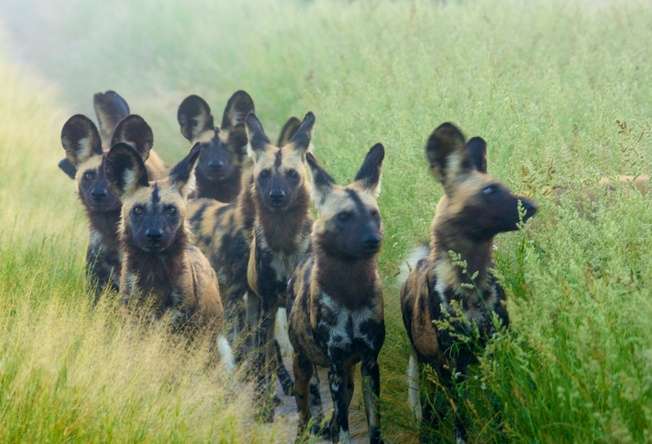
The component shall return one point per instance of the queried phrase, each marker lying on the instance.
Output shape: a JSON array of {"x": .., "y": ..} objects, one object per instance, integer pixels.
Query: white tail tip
[
  {"x": 410, "y": 263},
  {"x": 226, "y": 354},
  {"x": 414, "y": 397},
  {"x": 281, "y": 332}
]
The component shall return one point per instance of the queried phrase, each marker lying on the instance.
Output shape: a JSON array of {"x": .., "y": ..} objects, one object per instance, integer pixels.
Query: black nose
[
  {"x": 154, "y": 234},
  {"x": 99, "y": 194},
  {"x": 372, "y": 242},
  {"x": 216, "y": 164},
  {"x": 277, "y": 196}
]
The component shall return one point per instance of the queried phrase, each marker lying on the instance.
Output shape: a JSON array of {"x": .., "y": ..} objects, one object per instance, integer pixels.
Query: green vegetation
[{"x": 560, "y": 90}]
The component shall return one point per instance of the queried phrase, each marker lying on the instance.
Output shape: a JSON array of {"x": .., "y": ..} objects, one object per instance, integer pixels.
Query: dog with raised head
[
  {"x": 223, "y": 148},
  {"x": 280, "y": 236},
  {"x": 223, "y": 232},
  {"x": 451, "y": 294},
  {"x": 335, "y": 301},
  {"x": 83, "y": 145},
  {"x": 161, "y": 269}
]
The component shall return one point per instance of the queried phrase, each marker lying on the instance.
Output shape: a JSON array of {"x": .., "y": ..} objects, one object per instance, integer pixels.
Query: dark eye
[
  {"x": 489, "y": 190},
  {"x": 138, "y": 210},
  {"x": 293, "y": 175},
  {"x": 343, "y": 216},
  {"x": 89, "y": 175},
  {"x": 374, "y": 213},
  {"x": 170, "y": 210},
  {"x": 264, "y": 174}
]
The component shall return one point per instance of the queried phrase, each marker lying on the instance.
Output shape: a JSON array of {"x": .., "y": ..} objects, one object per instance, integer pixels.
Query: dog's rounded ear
[
  {"x": 110, "y": 108},
  {"x": 288, "y": 131},
  {"x": 369, "y": 174},
  {"x": 322, "y": 182},
  {"x": 182, "y": 174},
  {"x": 194, "y": 117},
  {"x": 239, "y": 106},
  {"x": 303, "y": 134},
  {"x": 447, "y": 154},
  {"x": 80, "y": 139},
  {"x": 125, "y": 170},
  {"x": 134, "y": 131},
  {"x": 258, "y": 140}
]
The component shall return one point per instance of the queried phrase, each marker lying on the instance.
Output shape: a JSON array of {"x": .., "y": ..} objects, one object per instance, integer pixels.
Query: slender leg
[
  {"x": 316, "y": 407},
  {"x": 303, "y": 370},
  {"x": 371, "y": 392},
  {"x": 446, "y": 378},
  {"x": 430, "y": 413},
  {"x": 267, "y": 361},
  {"x": 281, "y": 372},
  {"x": 339, "y": 389},
  {"x": 263, "y": 357}
]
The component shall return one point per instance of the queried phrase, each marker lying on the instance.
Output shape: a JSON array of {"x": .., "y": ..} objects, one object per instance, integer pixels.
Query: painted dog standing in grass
[
  {"x": 223, "y": 148},
  {"x": 85, "y": 157},
  {"x": 223, "y": 232},
  {"x": 280, "y": 238},
  {"x": 161, "y": 268},
  {"x": 335, "y": 301},
  {"x": 451, "y": 293}
]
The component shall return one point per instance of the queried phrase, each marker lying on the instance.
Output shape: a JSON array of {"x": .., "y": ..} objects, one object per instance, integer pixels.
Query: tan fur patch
[
  {"x": 169, "y": 195},
  {"x": 92, "y": 163}
]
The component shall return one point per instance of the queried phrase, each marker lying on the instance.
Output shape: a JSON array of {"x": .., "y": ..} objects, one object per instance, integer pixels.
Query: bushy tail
[
  {"x": 283, "y": 347},
  {"x": 410, "y": 262},
  {"x": 225, "y": 352},
  {"x": 414, "y": 397}
]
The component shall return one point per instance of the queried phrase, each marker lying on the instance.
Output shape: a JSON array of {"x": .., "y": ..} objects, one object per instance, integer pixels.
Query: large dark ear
[
  {"x": 258, "y": 140},
  {"x": 369, "y": 174},
  {"x": 194, "y": 117},
  {"x": 80, "y": 139},
  {"x": 110, "y": 108},
  {"x": 447, "y": 154},
  {"x": 477, "y": 148},
  {"x": 237, "y": 109},
  {"x": 125, "y": 170},
  {"x": 67, "y": 167},
  {"x": 322, "y": 182},
  {"x": 133, "y": 130},
  {"x": 288, "y": 131},
  {"x": 181, "y": 175},
  {"x": 301, "y": 137}
]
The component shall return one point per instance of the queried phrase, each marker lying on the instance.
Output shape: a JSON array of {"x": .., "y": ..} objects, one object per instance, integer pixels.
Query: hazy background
[{"x": 559, "y": 89}]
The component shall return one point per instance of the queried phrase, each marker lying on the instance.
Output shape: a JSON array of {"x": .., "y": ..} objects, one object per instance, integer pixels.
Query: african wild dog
[
  {"x": 161, "y": 269},
  {"x": 82, "y": 142},
  {"x": 451, "y": 292},
  {"x": 280, "y": 236},
  {"x": 335, "y": 301},
  {"x": 223, "y": 232},
  {"x": 224, "y": 147}
]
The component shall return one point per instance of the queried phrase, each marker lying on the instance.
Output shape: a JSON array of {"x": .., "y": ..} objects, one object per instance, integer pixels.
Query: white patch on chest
[
  {"x": 95, "y": 238},
  {"x": 339, "y": 337}
]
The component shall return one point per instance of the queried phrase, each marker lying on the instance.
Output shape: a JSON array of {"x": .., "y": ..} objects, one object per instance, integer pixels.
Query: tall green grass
[{"x": 560, "y": 90}]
